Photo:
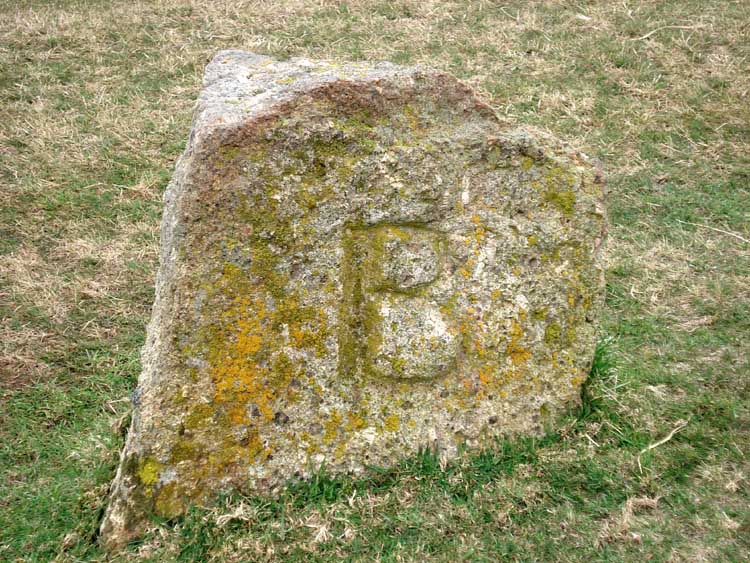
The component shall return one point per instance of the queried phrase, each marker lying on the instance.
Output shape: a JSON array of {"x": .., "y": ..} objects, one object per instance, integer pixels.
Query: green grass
[{"x": 96, "y": 101}]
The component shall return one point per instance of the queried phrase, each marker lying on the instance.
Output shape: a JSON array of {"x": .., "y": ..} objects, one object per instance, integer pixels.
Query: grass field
[{"x": 95, "y": 107}]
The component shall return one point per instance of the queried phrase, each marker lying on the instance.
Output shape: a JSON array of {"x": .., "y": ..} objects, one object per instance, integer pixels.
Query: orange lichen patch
[
  {"x": 355, "y": 421},
  {"x": 480, "y": 232},
  {"x": 484, "y": 375},
  {"x": 237, "y": 348},
  {"x": 237, "y": 377},
  {"x": 247, "y": 363},
  {"x": 307, "y": 339},
  {"x": 298, "y": 336}
]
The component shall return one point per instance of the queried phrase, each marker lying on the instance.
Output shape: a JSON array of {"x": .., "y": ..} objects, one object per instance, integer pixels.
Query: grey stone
[{"x": 358, "y": 260}]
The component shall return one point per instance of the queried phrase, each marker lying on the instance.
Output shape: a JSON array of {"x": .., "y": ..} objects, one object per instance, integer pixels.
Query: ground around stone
[{"x": 96, "y": 103}]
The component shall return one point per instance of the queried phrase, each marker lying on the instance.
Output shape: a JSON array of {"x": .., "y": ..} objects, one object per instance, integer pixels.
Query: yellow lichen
[
  {"x": 517, "y": 353},
  {"x": 148, "y": 473},
  {"x": 332, "y": 426},
  {"x": 355, "y": 422},
  {"x": 392, "y": 423}
]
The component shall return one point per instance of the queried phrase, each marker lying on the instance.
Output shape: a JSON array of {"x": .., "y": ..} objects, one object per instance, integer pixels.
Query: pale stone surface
[{"x": 357, "y": 260}]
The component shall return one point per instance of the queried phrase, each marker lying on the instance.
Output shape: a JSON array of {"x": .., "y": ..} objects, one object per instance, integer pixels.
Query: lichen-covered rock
[{"x": 357, "y": 260}]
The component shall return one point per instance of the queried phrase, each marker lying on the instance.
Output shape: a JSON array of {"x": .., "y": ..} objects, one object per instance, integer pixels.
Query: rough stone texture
[{"x": 357, "y": 260}]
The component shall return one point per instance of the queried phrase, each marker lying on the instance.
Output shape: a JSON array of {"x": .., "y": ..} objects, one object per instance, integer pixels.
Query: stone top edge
[
  {"x": 239, "y": 85},
  {"x": 225, "y": 64}
]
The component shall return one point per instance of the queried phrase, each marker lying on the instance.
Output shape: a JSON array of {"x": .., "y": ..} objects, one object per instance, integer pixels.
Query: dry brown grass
[{"x": 96, "y": 100}]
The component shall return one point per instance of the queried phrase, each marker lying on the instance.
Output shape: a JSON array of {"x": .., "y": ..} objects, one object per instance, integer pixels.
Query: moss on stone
[{"x": 170, "y": 500}]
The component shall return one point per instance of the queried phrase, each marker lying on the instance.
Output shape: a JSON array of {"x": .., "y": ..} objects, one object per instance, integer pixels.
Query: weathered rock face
[{"x": 357, "y": 260}]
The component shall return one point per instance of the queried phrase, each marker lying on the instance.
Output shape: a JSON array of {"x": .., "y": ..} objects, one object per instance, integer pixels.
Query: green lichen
[
  {"x": 412, "y": 117},
  {"x": 359, "y": 314},
  {"x": 552, "y": 334},
  {"x": 564, "y": 201},
  {"x": 495, "y": 157},
  {"x": 540, "y": 314},
  {"x": 149, "y": 471},
  {"x": 198, "y": 416},
  {"x": 352, "y": 330},
  {"x": 398, "y": 365},
  {"x": 184, "y": 450},
  {"x": 226, "y": 155},
  {"x": 558, "y": 184}
]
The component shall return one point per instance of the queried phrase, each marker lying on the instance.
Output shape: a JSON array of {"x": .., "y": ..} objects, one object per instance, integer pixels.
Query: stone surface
[{"x": 357, "y": 260}]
